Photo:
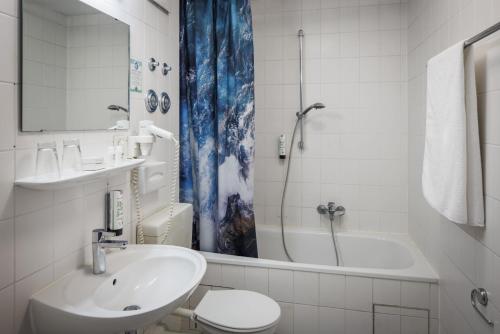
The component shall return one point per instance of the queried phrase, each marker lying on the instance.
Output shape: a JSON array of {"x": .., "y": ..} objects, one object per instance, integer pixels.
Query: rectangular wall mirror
[{"x": 75, "y": 67}]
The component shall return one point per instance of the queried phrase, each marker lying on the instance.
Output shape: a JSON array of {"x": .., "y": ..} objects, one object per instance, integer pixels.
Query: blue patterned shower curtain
[{"x": 217, "y": 123}]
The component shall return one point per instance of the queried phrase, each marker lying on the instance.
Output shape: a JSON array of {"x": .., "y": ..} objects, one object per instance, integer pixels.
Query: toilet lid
[{"x": 238, "y": 309}]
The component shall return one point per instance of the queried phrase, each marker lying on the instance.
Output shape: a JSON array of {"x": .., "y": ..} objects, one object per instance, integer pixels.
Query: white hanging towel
[{"x": 452, "y": 175}]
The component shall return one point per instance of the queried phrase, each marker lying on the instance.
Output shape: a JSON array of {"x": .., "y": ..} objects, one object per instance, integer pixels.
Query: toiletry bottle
[{"x": 282, "y": 147}]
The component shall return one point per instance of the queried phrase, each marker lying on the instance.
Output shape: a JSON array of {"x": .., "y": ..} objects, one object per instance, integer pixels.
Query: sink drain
[{"x": 132, "y": 308}]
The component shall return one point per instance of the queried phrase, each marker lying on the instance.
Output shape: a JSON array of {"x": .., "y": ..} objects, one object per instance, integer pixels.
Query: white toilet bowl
[
  {"x": 237, "y": 311},
  {"x": 220, "y": 311}
]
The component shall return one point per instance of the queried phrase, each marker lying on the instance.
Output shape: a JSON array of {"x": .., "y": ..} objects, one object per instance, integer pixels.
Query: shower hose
[
  {"x": 282, "y": 209},
  {"x": 283, "y": 195},
  {"x": 338, "y": 256}
]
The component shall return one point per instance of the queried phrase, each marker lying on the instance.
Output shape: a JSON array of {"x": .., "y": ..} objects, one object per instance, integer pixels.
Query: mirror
[{"x": 75, "y": 67}]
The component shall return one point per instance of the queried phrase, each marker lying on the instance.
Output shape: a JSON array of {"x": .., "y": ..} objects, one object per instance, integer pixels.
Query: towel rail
[{"x": 483, "y": 34}]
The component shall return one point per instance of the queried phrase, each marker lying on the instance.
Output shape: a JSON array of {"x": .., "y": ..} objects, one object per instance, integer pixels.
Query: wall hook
[
  {"x": 165, "y": 69},
  {"x": 153, "y": 64}
]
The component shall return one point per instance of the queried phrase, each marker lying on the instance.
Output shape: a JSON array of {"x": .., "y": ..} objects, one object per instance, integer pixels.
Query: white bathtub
[
  {"x": 385, "y": 277},
  {"x": 376, "y": 255}
]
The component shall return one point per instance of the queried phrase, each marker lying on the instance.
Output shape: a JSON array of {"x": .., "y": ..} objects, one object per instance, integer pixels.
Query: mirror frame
[{"x": 20, "y": 80}]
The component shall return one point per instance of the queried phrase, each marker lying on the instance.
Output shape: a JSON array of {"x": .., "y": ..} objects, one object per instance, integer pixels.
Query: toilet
[
  {"x": 219, "y": 311},
  {"x": 237, "y": 311}
]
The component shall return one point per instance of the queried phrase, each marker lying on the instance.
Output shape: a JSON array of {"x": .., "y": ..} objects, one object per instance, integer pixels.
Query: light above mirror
[{"x": 75, "y": 67}]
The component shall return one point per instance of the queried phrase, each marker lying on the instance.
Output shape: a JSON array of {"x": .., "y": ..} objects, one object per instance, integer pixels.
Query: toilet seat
[{"x": 237, "y": 311}]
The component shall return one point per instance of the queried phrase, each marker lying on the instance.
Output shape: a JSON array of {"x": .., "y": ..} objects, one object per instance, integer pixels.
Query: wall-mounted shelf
[{"x": 78, "y": 178}]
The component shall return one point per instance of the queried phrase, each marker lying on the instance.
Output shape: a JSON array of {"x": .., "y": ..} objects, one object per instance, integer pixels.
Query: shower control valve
[{"x": 331, "y": 209}]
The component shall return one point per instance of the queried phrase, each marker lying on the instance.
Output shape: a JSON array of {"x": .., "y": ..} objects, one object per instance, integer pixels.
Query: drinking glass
[
  {"x": 72, "y": 156},
  {"x": 47, "y": 162}
]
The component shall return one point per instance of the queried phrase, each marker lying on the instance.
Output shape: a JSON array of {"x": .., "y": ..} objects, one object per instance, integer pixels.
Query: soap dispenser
[{"x": 114, "y": 212}]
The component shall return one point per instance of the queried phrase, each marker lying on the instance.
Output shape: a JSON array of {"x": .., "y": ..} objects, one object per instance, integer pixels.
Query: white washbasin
[{"x": 156, "y": 278}]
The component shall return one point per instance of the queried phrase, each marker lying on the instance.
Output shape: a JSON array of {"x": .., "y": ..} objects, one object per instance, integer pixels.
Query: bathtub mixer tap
[{"x": 331, "y": 209}]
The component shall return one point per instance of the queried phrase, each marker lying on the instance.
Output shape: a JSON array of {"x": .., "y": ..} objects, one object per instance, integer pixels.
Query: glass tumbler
[
  {"x": 47, "y": 162},
  {"x": 72, "y": 157}
]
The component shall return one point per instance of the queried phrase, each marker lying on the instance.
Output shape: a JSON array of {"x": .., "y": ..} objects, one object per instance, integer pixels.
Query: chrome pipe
[{"x": 301, "y": 86}]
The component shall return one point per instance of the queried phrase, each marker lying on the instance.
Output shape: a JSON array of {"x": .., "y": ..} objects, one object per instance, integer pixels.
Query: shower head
[
  {"x": 317, "y": 105},
  {"x": 116, "y": 107}
]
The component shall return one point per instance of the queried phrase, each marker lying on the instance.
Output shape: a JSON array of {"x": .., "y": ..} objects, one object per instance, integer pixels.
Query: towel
[{"x": 452, "y": 174}]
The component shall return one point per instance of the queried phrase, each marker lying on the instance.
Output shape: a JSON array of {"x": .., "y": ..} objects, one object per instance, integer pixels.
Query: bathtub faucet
[{"x": 331, "y": 209}]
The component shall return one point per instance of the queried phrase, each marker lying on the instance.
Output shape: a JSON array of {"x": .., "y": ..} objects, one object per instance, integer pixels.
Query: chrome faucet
[
  {"x": 100, "y": 242},
  {"x": 332, "y": 209}
]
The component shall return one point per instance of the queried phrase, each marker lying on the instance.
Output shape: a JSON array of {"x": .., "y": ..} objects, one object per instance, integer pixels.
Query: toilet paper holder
[{"x": 480, "y": 296}]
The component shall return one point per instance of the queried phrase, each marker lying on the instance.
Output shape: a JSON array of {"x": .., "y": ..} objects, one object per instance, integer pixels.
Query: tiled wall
[
  {"x": 45, "y": 234},
  {"x": 97, "y": 71},
  {"x": 44, "y": 53},
  {"x": 355, "y": 149},
  {"x": 313, "y": 303},
  {"x": 464, "y": 257}
]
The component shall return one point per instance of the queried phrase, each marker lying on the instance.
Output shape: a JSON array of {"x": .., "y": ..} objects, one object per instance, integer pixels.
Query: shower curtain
[{"x": 217, "y": 123}]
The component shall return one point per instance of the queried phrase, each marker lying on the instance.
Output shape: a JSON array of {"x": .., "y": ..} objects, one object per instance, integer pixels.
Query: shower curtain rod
[{"x": 483, "y": 34}]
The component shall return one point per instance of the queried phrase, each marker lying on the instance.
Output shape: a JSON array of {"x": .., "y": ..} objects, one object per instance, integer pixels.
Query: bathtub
[
  {"x": 377, "y": 255},
  {"x": 385, "y": 279}
]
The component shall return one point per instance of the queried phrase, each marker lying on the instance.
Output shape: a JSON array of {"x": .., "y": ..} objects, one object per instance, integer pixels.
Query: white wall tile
[
  {"x": 23, "y": 291},
  {"x": 6, "y": 185},
  {"x": 7, "y": 310},
  {"x": 330, "y": 21},
  {"x": 349, "y": 19},
  {"x": 415, "y": 294},
  {"x": 369, "y": 18},
  {"x": 6, "y": 252},
  {"x": 386, "y": 292},
  {"x": 390, "y": 17},
  {"x": 34, "y": 241},
  {"x": 233, "y": 276},
  {"x": 306, "y": 288},
  {"x": 72, "y": 261},
  {"x": 285, "y": 325},
  {"x": 387, "y": 323},
  {"x": 69, "y": 228},
  {"x": 6, "y": 127},
  {"x": 434, "y": 300},
  {"x": 359, "y": 290},
  {"x": 413, "y": 325},
  {"x": 305, "y": 319},
  {"x": 257, "y": 279},
  {"x": 9, "y": 7},
  {"x": 27, "y": 200},
  {"x": 332, "y": 290},
  {"x": 213, "y": 275},
  {"x": 331, "y": 320},
  {"x": 9, "y": 52},
  {"x": 281, "y": 285},
  {"x": 357, "y": 322}
]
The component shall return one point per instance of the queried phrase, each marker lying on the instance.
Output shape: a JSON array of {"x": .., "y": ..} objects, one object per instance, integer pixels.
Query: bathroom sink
[{"x": 142, "y": 284}]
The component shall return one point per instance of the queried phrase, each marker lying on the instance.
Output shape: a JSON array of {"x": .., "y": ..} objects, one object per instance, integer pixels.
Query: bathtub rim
[{"x": 420, "y": 271}]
